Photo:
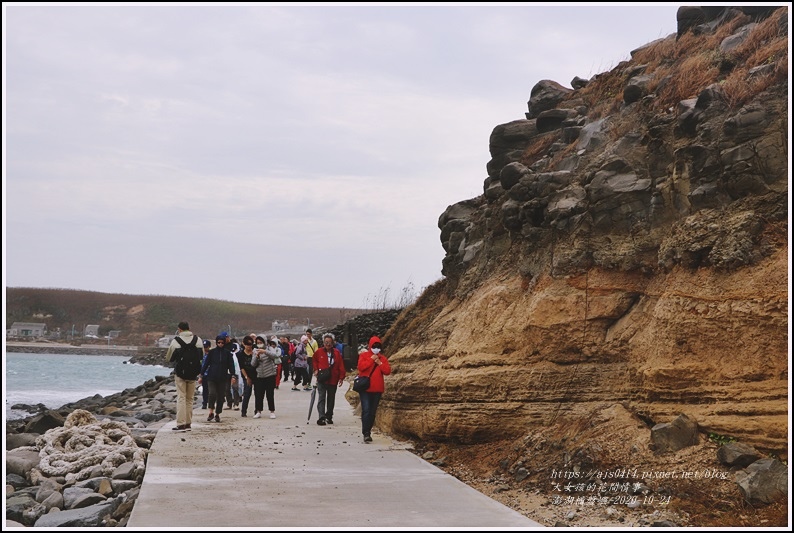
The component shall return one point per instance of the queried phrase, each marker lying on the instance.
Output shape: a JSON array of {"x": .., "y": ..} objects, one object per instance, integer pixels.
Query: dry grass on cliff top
[
  {"x": 694, "y": 62},
  {"x": 682, "y": 68}
]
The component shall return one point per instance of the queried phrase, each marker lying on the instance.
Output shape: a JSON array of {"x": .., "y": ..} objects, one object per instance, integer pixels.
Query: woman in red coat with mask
[{"x": 374, "y": 364}]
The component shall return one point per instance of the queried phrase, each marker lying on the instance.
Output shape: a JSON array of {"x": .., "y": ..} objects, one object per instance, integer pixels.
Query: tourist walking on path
[
  {"x": 205, "y": 391},
  {"x": 374, "y": 364},
  {"x": 264, "y": 361},
  {"x": 328, "y": 359},
  {"x": 300, "y": 368},
  {"x": 187, "y": 356},
  {"x": 219, "y": 369},
  {"x": 247, "y": 372},
  {"x": 311, "y": 347},
  {"x": 286, "y": 354},
  {"x": 280, "y": 361},
  {"x": 233, "y": 390}
]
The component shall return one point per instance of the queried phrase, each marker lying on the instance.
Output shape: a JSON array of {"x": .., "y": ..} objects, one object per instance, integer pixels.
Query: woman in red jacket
[{"x": 375, "y": 365}]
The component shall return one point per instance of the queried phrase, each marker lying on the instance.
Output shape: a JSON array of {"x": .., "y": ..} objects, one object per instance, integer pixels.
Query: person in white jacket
[
  {"x": 233, "y": 393},
  {"x": 266, "y": 357}
]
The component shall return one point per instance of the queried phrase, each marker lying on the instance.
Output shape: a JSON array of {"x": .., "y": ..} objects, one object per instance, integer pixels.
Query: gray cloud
[{"x": 304, "y": 152}]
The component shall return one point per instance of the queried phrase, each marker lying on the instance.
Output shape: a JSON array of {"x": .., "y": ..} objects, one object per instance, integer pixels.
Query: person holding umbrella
[
  {"x": 374, "y": 364},
  {"x": 329, "y": 367}
]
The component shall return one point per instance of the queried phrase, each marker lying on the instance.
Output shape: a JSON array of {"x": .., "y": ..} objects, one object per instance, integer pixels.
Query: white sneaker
[
  {"x": 272, "y": 415},
  {"x": 258, "y": 415}
]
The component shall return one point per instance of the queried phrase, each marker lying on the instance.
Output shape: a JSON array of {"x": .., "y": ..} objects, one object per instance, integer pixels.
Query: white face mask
[
  {"x": 376, "y": 351},
  {"x": 260, "y": 345}
]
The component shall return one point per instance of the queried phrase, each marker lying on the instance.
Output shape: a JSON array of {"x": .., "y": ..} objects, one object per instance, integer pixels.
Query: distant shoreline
[{"x": 92, "y": 349}]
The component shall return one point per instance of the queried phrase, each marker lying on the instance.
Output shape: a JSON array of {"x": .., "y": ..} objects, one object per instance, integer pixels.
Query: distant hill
[{"x": 142, "y": 319}]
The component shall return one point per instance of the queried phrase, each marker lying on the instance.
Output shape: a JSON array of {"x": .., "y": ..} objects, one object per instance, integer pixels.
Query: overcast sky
[{"x": 265, "y": 153}]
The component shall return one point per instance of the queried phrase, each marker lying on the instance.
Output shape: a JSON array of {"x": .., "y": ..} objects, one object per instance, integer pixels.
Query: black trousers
[{"x": 265, "y": 387}]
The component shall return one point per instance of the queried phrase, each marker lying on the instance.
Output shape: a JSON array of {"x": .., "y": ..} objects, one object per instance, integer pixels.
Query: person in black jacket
[
  {"x": 205, "y": 391},
  {"x": 248, "y": 372},
  {"x": 218, "y": 368}
]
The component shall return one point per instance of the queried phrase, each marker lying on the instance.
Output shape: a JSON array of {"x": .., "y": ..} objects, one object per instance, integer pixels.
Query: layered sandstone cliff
[{"x": 630, "y": 247}]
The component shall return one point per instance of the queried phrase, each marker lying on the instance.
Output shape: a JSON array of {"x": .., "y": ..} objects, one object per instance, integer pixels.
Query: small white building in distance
[
  {"x": 277, "y": 326},
  {"x": 26, "y": 329}
]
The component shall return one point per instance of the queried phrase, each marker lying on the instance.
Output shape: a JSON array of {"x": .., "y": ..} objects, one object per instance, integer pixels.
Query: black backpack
[{"x": 188, "y": 359}]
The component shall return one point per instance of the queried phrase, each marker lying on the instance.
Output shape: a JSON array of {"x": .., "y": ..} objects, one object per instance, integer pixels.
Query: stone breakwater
[
  {"x": 138, "y": 354},
  {"x": 73, "y": 350},
  {"x": 82, "y": 465}
]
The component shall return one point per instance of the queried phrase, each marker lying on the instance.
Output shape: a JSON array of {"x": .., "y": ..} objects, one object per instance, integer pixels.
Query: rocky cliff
[{"x": 630, "y": 247}]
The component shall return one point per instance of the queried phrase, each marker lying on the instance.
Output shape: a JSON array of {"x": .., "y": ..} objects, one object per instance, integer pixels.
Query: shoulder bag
[{"x": 361, "y": 383}]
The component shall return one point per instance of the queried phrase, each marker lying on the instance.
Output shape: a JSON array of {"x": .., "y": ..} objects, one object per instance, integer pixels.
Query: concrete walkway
[{"x": 284, "y": 473}]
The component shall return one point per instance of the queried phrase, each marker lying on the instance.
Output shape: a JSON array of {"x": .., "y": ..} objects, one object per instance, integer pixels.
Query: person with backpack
[{"x": 186, "y": 351}]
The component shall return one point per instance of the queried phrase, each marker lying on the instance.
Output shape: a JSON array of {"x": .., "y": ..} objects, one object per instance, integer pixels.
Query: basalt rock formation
[{"x": 630, "y": 247}]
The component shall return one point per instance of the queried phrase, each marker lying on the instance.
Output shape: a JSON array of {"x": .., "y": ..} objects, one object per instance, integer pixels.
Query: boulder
[
  {"x": 91, "y": 516},
  {"x": 545, "y": 95},
  {"x": 45, "y": 421},
  {"x": 20, "y": 462},
  {"x": 17, "y": 440},
  {"x": 676, "y": 435},
  {"x": 764, "y": 481},
  {"x": 737, "y": 454}
]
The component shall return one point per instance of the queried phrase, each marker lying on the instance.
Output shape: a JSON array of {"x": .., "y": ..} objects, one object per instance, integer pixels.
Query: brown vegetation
[{"x": 147, "y": 317}]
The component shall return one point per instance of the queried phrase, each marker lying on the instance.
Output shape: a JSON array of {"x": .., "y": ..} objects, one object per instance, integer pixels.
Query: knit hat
[{"x": 304, "y": 339}]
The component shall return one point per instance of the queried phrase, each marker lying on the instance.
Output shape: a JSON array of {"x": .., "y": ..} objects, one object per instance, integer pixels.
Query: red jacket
[
  {"x": 321, "y": 361},
  {"x": 367, "y": 367}
]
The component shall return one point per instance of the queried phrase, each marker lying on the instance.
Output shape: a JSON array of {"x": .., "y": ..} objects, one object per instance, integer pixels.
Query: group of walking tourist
[{"x": 231, "y": 372}]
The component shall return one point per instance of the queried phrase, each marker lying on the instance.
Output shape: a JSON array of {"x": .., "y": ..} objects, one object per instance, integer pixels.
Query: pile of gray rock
[
  {"x": 82, "y": 465},
  {"x": 760, "y": 479}
]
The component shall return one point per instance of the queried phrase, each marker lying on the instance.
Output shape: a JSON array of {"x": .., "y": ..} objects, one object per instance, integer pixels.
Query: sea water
[{"x": 57, "y": 379}]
